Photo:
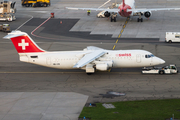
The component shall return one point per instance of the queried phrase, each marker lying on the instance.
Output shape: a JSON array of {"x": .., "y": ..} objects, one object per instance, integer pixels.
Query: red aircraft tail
[
  {"x": 23, "y": 43},
  {"x": 123, "y": 3}
]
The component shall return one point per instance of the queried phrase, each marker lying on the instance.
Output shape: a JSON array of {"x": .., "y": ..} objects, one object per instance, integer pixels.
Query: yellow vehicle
[
  {"x": 35, "y": 3},
  {"x": 5, "y": 28}
]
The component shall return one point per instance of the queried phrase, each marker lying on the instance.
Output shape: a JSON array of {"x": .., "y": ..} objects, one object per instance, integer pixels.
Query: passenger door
[
  {"x": 138, "y": 58},
  {"x": 48, "y": 61}
]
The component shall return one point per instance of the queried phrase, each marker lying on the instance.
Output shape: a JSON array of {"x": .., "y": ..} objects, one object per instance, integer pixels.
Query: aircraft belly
[{"x": 128, "y": 63}]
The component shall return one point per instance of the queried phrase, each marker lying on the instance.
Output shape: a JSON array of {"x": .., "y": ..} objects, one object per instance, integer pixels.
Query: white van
[{"x": 172, "y": 37}]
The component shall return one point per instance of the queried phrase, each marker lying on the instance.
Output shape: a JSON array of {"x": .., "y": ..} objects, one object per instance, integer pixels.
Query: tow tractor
[{"x": 171, "y": 69}]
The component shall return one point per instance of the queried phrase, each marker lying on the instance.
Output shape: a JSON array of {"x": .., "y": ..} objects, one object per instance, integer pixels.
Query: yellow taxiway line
[{"x": 124, "y": 26}]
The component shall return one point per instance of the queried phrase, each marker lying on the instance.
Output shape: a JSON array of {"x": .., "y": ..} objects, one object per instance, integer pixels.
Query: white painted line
[
  {"x": 40, "y": 25},
  {"x": 25, "y": 22},
  {"x": 104, "y": 4},
  {"x": 32, "y": 33}
]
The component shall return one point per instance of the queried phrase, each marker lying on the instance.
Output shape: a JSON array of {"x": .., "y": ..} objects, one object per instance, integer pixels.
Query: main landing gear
[{"x": 140, "y": 20}]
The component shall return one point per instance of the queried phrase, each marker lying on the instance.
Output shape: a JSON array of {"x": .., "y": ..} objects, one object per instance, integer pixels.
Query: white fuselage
[
  {"x": 67, "y": 59},
  {"x": 129, "y": 4}
]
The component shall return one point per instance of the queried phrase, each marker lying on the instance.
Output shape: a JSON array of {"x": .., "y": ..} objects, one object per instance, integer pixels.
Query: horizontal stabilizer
[{"x": 14, "y": 34}]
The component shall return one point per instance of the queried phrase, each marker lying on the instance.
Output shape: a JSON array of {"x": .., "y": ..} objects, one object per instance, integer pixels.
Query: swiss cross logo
[{"x": 23, "y": 44}]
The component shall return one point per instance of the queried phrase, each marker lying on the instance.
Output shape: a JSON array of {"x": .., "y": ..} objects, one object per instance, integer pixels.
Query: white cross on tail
[{"x": 23, "y": 44}]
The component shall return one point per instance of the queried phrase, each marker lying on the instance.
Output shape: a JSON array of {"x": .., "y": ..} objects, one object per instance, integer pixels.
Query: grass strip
[{"x": 135, "y": 110}]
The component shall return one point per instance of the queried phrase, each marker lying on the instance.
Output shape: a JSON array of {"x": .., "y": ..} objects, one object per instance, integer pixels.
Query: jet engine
[
  {"x": 102, "y": 66},
  {"x": 147, "y": 14},
  {"x": 107, "y": 14}
]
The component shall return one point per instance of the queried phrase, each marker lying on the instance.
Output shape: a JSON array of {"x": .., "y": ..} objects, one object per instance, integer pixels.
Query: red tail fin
[
  {"x": 123, "y": 3},
  {"x": 23, "y": 43}
]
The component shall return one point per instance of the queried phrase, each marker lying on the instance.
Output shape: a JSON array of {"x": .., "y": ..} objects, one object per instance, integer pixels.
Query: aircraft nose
[{"x": 161, "y": 61}]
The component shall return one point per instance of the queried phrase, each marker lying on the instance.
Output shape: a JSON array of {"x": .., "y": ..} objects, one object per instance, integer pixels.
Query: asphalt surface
[
  {"x": 55, "y": 31},
  {"x": 14, "y": 70},
  {"x": 75, "y": 33}
]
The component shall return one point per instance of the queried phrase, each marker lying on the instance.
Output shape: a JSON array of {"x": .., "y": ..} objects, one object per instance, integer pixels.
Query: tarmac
[{"x": 34, "y": 92}]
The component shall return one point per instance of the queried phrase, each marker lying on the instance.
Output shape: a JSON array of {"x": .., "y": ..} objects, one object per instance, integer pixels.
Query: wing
[
  {"x": 154, "y": 9},
  {"x": 93, "y": 48},
  {"x": 94, "y": 9},
  {"x": 89, "y": 58}
]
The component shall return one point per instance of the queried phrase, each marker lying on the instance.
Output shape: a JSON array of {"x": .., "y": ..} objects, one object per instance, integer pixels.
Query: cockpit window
[
  {"x": 152, "y": 55},
  {"x": 149, "y": 56}
]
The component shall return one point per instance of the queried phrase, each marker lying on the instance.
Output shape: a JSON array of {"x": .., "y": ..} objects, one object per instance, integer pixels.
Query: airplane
[
  {"x": 126, "y": 9},
  {"x": 90, "y": 59}
]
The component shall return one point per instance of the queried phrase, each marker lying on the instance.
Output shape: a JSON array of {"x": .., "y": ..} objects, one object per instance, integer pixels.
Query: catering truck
[
  {"x": 7, "y": 11},
  {"x": 171, "y": 69},
  {"x": 172, "y": 37}
]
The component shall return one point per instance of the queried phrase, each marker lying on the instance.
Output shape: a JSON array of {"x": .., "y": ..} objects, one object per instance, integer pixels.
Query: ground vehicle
[
  {"x": 7, "y": 17},
  {"x": 35, "y": 3},
  {"x": 5, "y": 28},
  {"x": 172, "y": 37},
  {"x": 1, "y": 27},
  {"x": 101, "y": 14},
  {"x": 7, "y": 11},
  {"x": 171, "y": 69}
]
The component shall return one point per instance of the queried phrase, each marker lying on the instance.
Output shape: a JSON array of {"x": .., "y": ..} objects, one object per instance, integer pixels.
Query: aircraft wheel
[
  {"x": 27, "y": 5},
  {"x": 111, "y": 19},
  {"x": 115, "y": 19},
  {"x": 161, "y": 72},
  {"x": 138, "y": 20},
  {"x": 170, "y": 41},
  {"x": 89, "y": 73},
  {"x": 45, "y": 5}
]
